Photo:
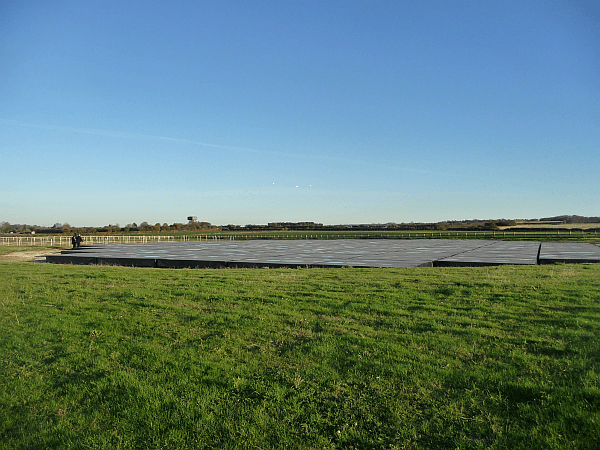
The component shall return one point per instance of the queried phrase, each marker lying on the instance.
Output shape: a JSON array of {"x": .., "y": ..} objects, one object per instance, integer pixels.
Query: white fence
[{"x": 65, "y": 241}]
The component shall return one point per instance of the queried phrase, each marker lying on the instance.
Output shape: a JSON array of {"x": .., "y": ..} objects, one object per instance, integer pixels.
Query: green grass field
[
  {"x": 548, "y": 235},
  {"x": 588, "y": 235},
  {"x": 427, "y": 358},
  {"x": 591, "y": 236}
]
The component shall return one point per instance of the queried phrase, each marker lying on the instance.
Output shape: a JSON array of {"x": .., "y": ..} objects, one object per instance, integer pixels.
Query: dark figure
[
  {"x": 74, "y": 241},
  {"x": 78, "y": 240}
]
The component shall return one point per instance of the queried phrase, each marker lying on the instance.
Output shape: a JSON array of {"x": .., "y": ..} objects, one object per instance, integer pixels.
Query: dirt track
[{"x": 38, "y": 256}]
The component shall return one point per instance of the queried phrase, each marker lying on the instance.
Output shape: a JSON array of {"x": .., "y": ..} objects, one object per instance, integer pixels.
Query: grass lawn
[
  {"x": 427, "y": 358},
  {"x": 547, "y": 235}
]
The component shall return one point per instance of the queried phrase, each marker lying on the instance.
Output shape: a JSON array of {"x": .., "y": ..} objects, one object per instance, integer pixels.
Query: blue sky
[{"x": 334, "y": 112}]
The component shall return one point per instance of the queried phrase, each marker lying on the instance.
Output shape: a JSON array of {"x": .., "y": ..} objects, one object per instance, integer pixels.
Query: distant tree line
[
  {"x": 144, "y": 227},
  {"x": 571, "y": 219},
  {"x": 196, "y": 226},
  {"x": 468, "y": 225}
]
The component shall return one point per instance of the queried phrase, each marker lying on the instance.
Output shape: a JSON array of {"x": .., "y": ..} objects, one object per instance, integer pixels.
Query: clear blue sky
[{"x": 328, "y": 111}]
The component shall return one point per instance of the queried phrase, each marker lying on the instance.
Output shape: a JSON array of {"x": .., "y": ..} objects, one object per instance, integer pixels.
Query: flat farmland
[
  {"x": 550, "y": 233},
  {"x": 581, "y": 226},
  {"x": 563, "y": 233},
  {"x": 420, "y": 358}
]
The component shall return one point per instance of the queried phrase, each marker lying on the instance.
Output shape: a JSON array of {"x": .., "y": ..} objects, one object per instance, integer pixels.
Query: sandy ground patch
[{"x": 38, "y": 256}]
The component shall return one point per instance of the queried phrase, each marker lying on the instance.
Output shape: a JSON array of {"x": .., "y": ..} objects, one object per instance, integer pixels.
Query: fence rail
[{"x": 65, "y": 241}]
